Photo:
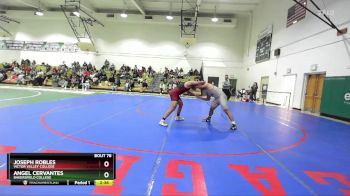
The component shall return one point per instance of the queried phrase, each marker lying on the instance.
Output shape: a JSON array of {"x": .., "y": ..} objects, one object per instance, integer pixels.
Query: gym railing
[{"x": 279, "y": 98}]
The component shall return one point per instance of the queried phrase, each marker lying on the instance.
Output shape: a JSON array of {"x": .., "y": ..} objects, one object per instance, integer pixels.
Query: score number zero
[{"x": 105, "y": 163}]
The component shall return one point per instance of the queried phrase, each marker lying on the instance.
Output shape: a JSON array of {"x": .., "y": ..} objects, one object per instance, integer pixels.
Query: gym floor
[{"x": 274, "y": 151}]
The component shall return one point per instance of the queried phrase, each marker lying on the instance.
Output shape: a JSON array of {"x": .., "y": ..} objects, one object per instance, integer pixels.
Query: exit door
[
  {"x": 264, "y": 85},
  {"x": 313, "y": 92},
  {"x": 233, "y": 83}
]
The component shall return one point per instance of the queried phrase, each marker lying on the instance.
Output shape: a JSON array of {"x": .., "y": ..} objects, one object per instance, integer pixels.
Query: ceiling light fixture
[
  {"x": 85, "y": 40},
  {"x": 76, "y": 13},
  {"x": 123, "y": 15},
  {"x": 215, "y": 19},
  {"x": 169, "y": 17},
  {"x": 39, "y": 13}
]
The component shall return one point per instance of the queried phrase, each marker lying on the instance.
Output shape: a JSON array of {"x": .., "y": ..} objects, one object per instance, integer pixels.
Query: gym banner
[{"x": 336, "y": 97}]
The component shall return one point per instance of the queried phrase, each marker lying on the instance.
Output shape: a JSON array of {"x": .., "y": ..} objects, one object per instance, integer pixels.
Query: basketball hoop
[{"x": 188, "y": 41}]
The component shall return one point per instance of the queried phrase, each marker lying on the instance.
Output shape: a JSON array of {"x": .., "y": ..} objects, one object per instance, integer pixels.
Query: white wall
[
  {"x": 142, "y": 44},
  {"x": 9, "y": 56},
  {"x": 220, "y": 72},
  {"x": 41, "y": 29},
  {"x": 308, "y": 42}
]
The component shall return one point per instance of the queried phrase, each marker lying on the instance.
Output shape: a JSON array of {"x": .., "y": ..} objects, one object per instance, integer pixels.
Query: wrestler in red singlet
[
  {"x": 177, "y": 91},
  {"x": 176, "y": 100}
]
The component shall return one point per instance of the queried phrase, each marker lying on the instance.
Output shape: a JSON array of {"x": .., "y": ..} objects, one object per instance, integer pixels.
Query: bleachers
[{"x": 153, "y": 82}]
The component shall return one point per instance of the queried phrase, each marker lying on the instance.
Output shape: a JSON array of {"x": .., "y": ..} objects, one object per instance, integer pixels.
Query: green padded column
[{"x": 336, "y": 96}]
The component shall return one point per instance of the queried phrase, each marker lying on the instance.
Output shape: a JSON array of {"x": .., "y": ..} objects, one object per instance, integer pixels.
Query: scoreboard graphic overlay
[{"x": 61, "y": 168}]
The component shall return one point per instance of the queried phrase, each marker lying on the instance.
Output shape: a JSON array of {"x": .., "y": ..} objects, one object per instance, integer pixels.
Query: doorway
[
  {"x": 288, "y": 85},
  {"x": 264, "y": 84},
  {"x": 313, "y": 93},
  {"x": 213, "y": 80},
  {"x": 233, "y": 83}
]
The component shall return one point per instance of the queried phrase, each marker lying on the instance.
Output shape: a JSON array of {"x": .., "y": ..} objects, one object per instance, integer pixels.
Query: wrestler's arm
[
  {"x": 190, "y": 84},
  {"x": 202, "y": 97}
]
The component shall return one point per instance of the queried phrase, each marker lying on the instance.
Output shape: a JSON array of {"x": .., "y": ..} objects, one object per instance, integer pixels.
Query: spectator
[
  {"x": 162, "y": 87},
  {"x": 103, "y": 76},
  {"x": 196, "y": 72},
  {"x": 175, "y": 84},
  {"x": 17, "y": 70},
  {"x": 106, "y": 62},
  {"x": 78, "y": 65},
  {"x": 132, "y": 84},
  {"x": 94, "y": 69},
  {"x": 190, "y": 72},
  {"x": 226, "y": 87},
  {"x": 20, "y": 78},
  {"x": 123, "y": 68},
  {"x": 127, "y": 87},
  {"x": 144, "y": 86},
  {"x": 166, "y": 75},
  {"x": 150, "y": 71},
  {"x": 117, "y": 81},
  {"x": 38, "y": 79},
  {"x": 112, "y": 79},
  {"x": 33, "y": 64},
  {"x": 180, "y": 75},
  {"x": 55, "y": 80},
  {"x": 170, "y": 85},
  {"x": 85, "y": 84},
  {"x": 105, "y": 66},
  {"x": 89, "y": 67},
  {"x": 253, "y": 91},
  {"x": 75, "y": 81},
  {"x": 115, "y": 85},
  {"x": 139, "y": 80},
  {"x": 9, "y": 67},
  {"x": 3, "y": 76},
  {"x": 27, "y": 70},
  {"x": 95, "y": 80},
  {"x": 177, "y": 71},
  {"x": 63, "y": 83},
  {"x": 112, "y": 68}
]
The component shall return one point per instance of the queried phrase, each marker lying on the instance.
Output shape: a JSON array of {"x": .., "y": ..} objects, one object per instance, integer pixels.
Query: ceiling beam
[
  {"x": 139, "y": 6},
  {"x": 34, "y": 4},
  {"x": 197, "y": 8},
  {"x": 5, "y": 30},
  {"x": 199, "y": 2},
  {"x": 87, "y": 6},
  {"x": 136, "y": 12},
  {"x": 200, "y": 15},
  {"x": 236, "y": 2}
]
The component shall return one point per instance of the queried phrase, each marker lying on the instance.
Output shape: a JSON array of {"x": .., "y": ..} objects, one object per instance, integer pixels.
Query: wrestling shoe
[
  {"x": 207, "y": 119},
  {"x": 162, "y": 122},
  {"x": 179, "y": 118},
  {"x": 234, "y": 127}
]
